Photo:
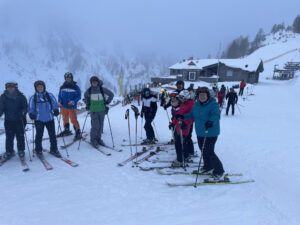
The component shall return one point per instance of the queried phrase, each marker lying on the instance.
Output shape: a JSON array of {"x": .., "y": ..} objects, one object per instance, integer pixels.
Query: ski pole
[
  {"x": 136, "y": 114},
  {"x": 83, "y": 129},
  {"x": 155, "y": 129},
  {"x": 26, "y": 138},
  {"x": 127, "y": 118},
  {"x": 202, "y": 149},
  {"x": 33, "y": 146},
  {"x": 238, "y": 108},
  {"x": 59, "y": 124},
  {"x": 172, "y": 130},
  {"x": 112, "y": 139},
  {"x": 182, "y": 145},
  {"x": 59, "y": 128},
  {"x": 142, "y": 128}
]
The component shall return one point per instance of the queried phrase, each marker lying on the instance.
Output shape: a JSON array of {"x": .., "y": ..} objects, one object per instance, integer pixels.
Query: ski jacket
[
  {"x": 232, "y": 97},
  {"x": 69, "y": 92},
  {"x": 149, "y": 106},
  {"x": 203, "y": 112},
  {"x": 14, "y": 106},
  {"x": 42, "y": 105},
  {"x": 95, "y": 98},
  {"x": 184, "y": 109},
  {"x": 242, "y": 84}
]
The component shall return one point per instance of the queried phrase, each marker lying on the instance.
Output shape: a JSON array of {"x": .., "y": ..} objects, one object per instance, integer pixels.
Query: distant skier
[
  {"x": 206, "y": 113},
  {"x": 68, "y": 97},
  {"x": 221, "y": 95},
  {"x": 242, "y": 86},
  {"x": 96, "y": 99},
  {"x": 232, "y": 100},
  {"x": 163, "y": 97},
  {"x": 184, "y": 104},
  {"x": 149, "y": 108},
  {"x": 14, "y": 105},
  {"x": 192, "y": 91},
  {"x": 42, "y": 108}
]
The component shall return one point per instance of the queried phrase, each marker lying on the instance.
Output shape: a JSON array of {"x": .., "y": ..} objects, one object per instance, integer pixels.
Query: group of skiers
[{"x": 43, "y": 107}]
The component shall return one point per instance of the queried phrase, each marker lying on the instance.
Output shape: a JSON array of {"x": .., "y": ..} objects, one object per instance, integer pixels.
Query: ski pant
[
  {"x": 68, "y": 114},
  {"x": 241, "y": 91},
  {"x": 40, "y": 126},
  {"x": 211, "y": 160},
  {"x": 232, "y": 108},
  {"x": 148, "y": 128},
  {"x": 186, "y": 147},
  {"x": 14, "y": 129},
  {"x": 190, "y": 148},
  {"x": 97, "y": 123}
]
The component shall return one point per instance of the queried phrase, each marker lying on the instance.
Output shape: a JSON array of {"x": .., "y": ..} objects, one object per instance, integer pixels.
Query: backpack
[{"x": 47, "y": 96}]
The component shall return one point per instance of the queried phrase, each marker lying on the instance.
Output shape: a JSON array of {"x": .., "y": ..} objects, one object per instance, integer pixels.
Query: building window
[
  {"x": 192, "y": 75},
  {"x": 229, "y": 73}
]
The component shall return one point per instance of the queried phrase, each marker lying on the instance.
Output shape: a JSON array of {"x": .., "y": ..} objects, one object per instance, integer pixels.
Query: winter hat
[
  {"x": 11, "y": 84},
  {"x": 203, "y": 90},
  {"x": 180, "y": 82},
  {"x": 94, "y": 78},
  {"x": 39, "y": 82},
  {"x": 68, "y": 75}
]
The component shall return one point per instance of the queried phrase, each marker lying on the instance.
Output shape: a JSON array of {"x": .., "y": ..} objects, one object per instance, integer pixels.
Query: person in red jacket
[
  {"x": 242, "y": 86},
  {"x": 184, "y": 106}
]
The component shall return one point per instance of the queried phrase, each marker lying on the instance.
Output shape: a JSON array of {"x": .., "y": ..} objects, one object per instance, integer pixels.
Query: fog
[{"x": 169, "y": 28}]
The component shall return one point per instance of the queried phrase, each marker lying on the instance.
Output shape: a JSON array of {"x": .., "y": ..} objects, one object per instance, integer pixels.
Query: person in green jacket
[
  {"x": 96, "y": 99},
  {"x": 206, "y": 113}
]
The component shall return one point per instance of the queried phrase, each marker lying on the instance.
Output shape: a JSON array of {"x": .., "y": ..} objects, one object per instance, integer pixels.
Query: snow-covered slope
[{"x": 260, "y": 141}]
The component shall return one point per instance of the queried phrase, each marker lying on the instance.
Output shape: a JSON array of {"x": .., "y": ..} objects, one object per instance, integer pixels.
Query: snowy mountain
[{"x": 49, "y": 56}]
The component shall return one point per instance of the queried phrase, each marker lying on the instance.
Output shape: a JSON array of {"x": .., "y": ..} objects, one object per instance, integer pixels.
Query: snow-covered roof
[{"x": 245, "y": 64}]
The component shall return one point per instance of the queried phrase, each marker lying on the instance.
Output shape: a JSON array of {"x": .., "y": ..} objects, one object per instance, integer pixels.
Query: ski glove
[
  {"x": 32, "y": 116},
  {"x": 71, "y": 103},
  {"x": 179, "y": 117},
  {"x": 208, "y": 124},
  {"x": 56, "y": 112},
  {"x": 106, "y": 109},
  {"x": 171, "y": 126},
  {"x": 142, "y": 114}
]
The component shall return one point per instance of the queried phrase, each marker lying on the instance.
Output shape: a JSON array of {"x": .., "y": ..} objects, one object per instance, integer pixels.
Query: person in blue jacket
[
  {"x": 42, "y": 108},
  {"x": 68, "y": 97},
  {"x": 206, "y": 113}
]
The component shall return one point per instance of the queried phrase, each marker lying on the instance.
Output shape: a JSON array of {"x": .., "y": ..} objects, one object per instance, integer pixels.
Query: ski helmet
[
  {"x": 146, "y": 91},
  {"x": 11, "y": 84},
  {"x": 39, "y": 82},
  {"x": 68, "y": 75},
  {"x": 184, "y": 94}
]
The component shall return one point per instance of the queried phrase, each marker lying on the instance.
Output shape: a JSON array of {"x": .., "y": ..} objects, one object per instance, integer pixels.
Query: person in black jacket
[
  {"x": 14, "y": 105},
  {"x": 232, "y": 100},
  {"x": 149, "y": 109}
]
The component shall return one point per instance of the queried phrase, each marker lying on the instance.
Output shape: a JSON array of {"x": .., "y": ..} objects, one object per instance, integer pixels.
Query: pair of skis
[
  {"x": 48, "y": 166},
  {"x": 24, "y": 165}
]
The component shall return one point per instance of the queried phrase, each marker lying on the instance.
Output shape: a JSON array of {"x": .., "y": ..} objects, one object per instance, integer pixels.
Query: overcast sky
[{"x": 163, "y": 27}]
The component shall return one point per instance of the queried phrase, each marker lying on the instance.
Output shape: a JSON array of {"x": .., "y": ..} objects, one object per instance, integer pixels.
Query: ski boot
[
  {"x": 21, "y": 155},
  {"x": 176, "y": 163},
  {"x": 8, "y": 155},
  {"x": 66, "y": 131},
  {"x": 39, "y": 153},
  {"x": 171, "y": 142},
  {"x": 55, "y": 153},
  {"x": 94, "y": 143},
  {"x": 154, "y": 140},
  {"x": 100, "y": 142},
  {"x": 77, "y": 135}
]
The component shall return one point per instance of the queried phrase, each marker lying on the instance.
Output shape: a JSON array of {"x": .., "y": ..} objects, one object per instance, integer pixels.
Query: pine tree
[{"x": 296, "y": 25}]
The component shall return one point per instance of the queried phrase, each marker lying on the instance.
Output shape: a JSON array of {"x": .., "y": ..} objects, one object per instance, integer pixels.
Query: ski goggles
[
  {"x": 147, "y": 92},
  {"x": 10, "y": 85}
]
